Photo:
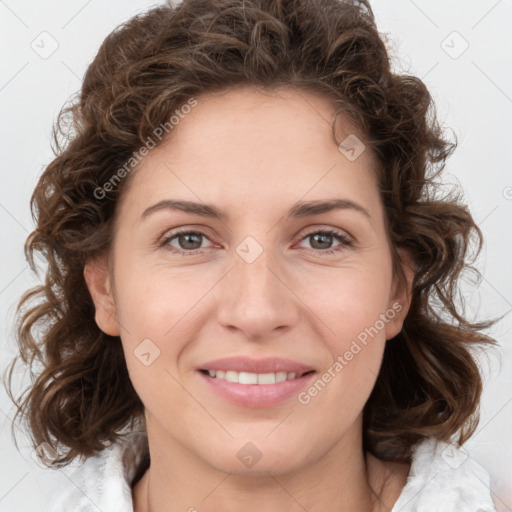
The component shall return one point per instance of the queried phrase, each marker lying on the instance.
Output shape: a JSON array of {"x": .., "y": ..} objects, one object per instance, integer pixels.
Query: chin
[{"x": 257, "y": 457}]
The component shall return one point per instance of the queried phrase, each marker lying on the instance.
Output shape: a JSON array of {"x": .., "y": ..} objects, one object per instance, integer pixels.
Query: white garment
[{"x": 443, "y": 478}]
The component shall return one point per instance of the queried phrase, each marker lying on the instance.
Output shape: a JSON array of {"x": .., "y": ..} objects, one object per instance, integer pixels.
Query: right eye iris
[{"x": 189, "y": 239}]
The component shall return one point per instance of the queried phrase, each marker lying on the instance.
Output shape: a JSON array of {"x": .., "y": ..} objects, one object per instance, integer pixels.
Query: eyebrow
[{"x": 300, "y": 209}]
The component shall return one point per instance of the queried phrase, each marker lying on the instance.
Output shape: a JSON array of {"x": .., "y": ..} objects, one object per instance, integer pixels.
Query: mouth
[
  {"x": 250, "y": 378},
  {"x": 255, "y": 390}
]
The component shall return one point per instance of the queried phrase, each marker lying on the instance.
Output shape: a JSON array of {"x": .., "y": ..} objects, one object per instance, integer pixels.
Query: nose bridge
[{"x": 255, "y": 298}]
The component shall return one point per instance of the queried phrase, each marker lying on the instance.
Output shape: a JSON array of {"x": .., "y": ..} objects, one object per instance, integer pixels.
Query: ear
[
  {"x": 97, "y": 278},
  {"x": 401, "y": 297}
]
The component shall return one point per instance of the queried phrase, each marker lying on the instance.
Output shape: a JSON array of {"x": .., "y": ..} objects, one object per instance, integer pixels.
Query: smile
[
  {"x": 255, "y": 390},
  {"x": 253, "y": 378}
]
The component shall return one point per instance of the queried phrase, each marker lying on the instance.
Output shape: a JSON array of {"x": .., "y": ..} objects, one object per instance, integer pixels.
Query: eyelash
[{"x": 345, "y": 241}]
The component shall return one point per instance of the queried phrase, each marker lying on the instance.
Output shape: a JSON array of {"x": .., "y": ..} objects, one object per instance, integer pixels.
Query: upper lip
[{"x": 266, "y": 365}]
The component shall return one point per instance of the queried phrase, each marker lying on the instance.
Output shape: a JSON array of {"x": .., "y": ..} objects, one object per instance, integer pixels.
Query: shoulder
[
  {"x": 444, "y": 477},
  {"x": 103, "y": 481}
]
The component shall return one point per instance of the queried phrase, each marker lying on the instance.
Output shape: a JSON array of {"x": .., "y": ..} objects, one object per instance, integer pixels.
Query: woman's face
[{"x": 271, "y": 278}]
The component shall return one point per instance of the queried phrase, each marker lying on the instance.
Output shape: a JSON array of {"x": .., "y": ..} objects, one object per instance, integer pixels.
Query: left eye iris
[{"x": 323, "y": 239}]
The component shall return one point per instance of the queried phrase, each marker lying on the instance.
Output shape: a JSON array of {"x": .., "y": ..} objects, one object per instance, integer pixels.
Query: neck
[{"x": 340, "y": 479}]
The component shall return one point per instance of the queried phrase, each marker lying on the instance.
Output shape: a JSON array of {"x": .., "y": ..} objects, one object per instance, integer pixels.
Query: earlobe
[
  {"x": 401, "y": 300},
  {"x": 97, "y": 278}
]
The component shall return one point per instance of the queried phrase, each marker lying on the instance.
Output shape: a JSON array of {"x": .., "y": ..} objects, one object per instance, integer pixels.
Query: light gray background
[{"x": 473, "y": 92}]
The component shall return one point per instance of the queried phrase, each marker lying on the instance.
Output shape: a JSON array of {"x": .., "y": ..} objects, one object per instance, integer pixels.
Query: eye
[
  {"x": 324, "y": 237},
  {"x": 190, "y": 242}
]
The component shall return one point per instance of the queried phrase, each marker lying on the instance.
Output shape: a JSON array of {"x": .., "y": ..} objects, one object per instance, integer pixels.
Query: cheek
[
  {"x": 356, "y": 311},
  {"x": 158, "y": 302},
  {"x": 161, "y": 311},
  {"x": 353, "y": 299},
  {"x": 151, "y": 301},
  {"x": 149, "y": 311}
]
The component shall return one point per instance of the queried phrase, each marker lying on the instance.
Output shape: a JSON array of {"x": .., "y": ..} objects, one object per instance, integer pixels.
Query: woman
[{"x": 250, "y": 295}]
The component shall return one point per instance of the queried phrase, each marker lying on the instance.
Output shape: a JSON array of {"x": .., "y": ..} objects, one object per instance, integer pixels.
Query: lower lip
[{"x": 257, "y": 395}]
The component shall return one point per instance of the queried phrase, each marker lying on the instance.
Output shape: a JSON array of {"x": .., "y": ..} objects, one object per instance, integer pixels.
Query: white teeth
[
  {"x": 247, "y": 378},
  {"x": 268, "y": 378},
  {"x": 231, "y": 376},
  {"x": 281, "y": 376},
  {"x": 252, "y": 378}
]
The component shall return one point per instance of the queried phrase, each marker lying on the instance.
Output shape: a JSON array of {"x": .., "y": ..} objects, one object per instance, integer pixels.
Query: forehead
[{"x": 246, "y": 145}]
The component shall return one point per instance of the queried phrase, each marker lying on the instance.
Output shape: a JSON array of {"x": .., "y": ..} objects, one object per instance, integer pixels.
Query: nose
[{"x": 257, "y": 300}]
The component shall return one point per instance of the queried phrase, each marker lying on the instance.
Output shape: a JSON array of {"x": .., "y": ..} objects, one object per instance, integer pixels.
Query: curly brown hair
[{"x": 429, "y": 383}]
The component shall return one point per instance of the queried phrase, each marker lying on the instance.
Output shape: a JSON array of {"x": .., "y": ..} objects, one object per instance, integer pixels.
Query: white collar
[{"x": 442, "y": 478}]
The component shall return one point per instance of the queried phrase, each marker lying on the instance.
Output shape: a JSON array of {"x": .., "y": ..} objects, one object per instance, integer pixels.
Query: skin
[{"x": 253, "y": 154}]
